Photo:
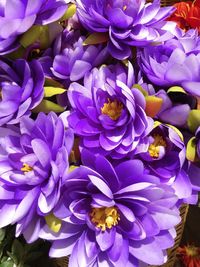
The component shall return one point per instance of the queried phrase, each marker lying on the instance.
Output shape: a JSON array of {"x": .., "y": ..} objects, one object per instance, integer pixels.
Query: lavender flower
[
  {"x": 128, "y": 23},
  {"x": 21, "y": 89},
  {"x": 18, "y": 16},
  {"x": 69, "y": 59},
  {"x": 107, "y": 113},
  {"x": 33, "y": 161},
  {"x": 111, "y": 216},
  {"x": 176, "y": 104},
  {"x": 166, "y": 151},
  {"x": 176, "y": 62}
]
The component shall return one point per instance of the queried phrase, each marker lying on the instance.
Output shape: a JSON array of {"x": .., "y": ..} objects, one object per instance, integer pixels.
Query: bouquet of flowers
[{"x": 99, "y": 126}]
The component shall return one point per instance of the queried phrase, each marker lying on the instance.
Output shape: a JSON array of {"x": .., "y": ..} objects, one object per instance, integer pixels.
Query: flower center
[
  {"x": 192, "y": 251},
  {"x": 112, "y": 109},
  {"x": 154, "y": 148},
  {"x": 104, "y": 217},
  {"x": 26, "y": 168}
]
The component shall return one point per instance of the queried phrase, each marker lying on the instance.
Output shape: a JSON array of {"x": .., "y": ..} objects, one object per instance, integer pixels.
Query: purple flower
[
  {"x": 166, "y": 152},
  {"x": 16, "y": 17},
  {"x": 107, "y": 113},
  {"x": 111, "y": 216},
  {"x": 33, "y": 160},
  {"x": 174, "y": 112},
  {"x": 21, "y": 89},
  {"x": 176, "y": 62},
  {"x": 128, "y": 23},
  {"x": 69, "y": 59},
  {"x": 176, "y": 105}
]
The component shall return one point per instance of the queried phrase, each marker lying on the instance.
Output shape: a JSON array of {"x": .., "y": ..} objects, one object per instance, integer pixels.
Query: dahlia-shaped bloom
[
  {"x": 113, "y": 216},
  {"x": 189, "y": 255},
  {"x": 128, "y": 23},
  {"x": 21, "y": 89},
  {"x": 107, "y": 113},
  {"x": 181, "y": 14},
  {"x": 166, "y": 151},
  {"x": 175, "y": 62},
  {"x": 33, "y": 160},
  {"x": 16, "y": 17},
  {"x": 69, "y": 59},
  {"x": 187, "y": 15}
]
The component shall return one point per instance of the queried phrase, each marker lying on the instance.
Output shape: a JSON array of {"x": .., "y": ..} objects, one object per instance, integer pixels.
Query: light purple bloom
[
  {"x": 166, "y": 152},
  {"x": 175, "y": 62},
  {"x": 175, "y": 112},
  {"x": 128, "y": 23},
  {"x": 21, "y": 89},
  {"x": 108, "y": 113},
  {"x": 175, "y": 105},
  {"x": 33, "y": 160},
  {"x": 69, "y": 59},
  {"x": 112, "y": 216},
  {"x": 16, "y": 17}
]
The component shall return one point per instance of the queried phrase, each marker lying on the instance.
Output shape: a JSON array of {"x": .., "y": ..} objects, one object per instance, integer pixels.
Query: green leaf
[
  {"x": 51, "y": 91},
  {"x": 47, "y": 106},
  {"x": 7, "y": 264},
  {"x": 31, "y": 36},
  {"x": 96, "y": 38},
  {"x": 69, "y": 13},
  {"x": 2, "y": 234},
  {"x": 176, "y": 89},
  {"x": 14, "y": 258},
  {"x": 33, "y": 256},
  {"x": 17, "y": 250},
  {"x": 177, "y": 131},
  {"x": 72, "y": 168},
  {"x": 52, "y": 83},
  {"x": 156, "y": 124},
  {"x": 193, "y": 120},
  {"x": 19, "y": 53},
  {"x": 44, "y": 37},
  {"x": 33, "y": 246},
  {"x": 191, "y": 150}
]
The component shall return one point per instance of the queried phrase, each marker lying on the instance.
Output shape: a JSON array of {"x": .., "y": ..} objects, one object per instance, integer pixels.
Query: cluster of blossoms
[{"x": 99, "y": 127}]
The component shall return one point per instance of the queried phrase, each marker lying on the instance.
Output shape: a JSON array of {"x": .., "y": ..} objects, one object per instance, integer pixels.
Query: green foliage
[
  {"x": 17, "y": 253},
  {"x": 194, "y": 120},
  {"x": 191, "y": 154}
]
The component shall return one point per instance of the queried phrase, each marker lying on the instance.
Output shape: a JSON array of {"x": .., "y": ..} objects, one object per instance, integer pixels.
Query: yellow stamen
[
  {"x": 124, "y": 8},
  {"x": 112, "y": 109},
  {"x": 105, "y": 217},
  {"x": 26, "y": 168},
  {"x": 154, "y": 148}
]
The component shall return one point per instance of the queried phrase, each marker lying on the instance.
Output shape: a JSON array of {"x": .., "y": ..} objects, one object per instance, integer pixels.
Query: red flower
[
  {"x": 189, "y": 255},
  {"x": 187, "y": 15}
]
